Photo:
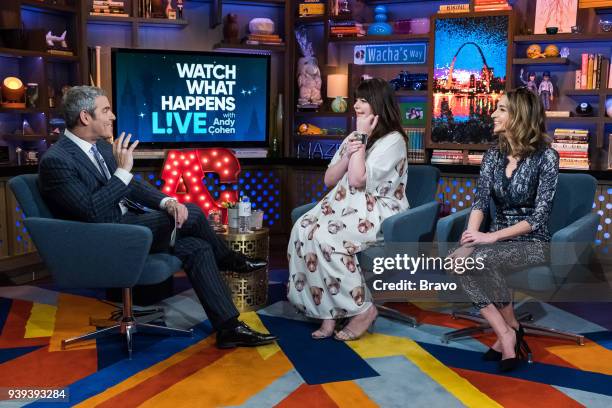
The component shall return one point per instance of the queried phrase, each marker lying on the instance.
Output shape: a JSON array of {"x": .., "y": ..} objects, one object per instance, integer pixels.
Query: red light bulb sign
[{"x": 184, "y": 171}]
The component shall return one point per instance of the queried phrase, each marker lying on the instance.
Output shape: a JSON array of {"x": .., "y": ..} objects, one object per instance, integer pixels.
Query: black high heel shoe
[
  {"x": 522, "y": 351},
  {"x": 494, "y": 355}
]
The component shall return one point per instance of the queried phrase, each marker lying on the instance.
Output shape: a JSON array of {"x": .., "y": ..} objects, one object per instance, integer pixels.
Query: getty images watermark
[{"x": 409, "y": 264}]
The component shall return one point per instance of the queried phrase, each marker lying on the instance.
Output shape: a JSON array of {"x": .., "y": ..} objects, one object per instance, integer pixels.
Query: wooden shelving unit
[
  {"x": 49, "y": 71},
  {"x": 271, "y": 48},
  {"x": 324, "y": 114},
  {"x": 582, "y": 92},
  {"x": 46, "y": 7},
  {"x": 563, "y": 38},
  {"x": 540, "y": 61},
  {"x": 372, "y": 39}
]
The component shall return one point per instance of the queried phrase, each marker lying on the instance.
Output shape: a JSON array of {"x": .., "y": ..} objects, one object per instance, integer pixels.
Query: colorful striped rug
[{"x": 396, "y": 366}]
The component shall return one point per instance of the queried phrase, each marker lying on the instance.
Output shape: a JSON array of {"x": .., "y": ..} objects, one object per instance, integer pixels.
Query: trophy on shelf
[{"x": 31, "y": 95}]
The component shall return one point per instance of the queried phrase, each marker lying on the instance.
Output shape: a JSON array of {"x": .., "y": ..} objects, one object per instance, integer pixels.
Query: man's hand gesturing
[{"x": 123, "y": 152}]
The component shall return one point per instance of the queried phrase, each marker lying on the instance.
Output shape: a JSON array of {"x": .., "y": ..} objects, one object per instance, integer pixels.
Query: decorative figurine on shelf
[
  {"x": 551, "y": 51},
  {"x": 534, "y": 51},
  {"x": 51, "y": 95},
  {"x": 31, "y": 94},
  {"x": 380, "y": 27},
  {"x": 309, "y": 75},
  {"x": 169, "y": 11},
  {"x": 230, "y": 29},
  {"x": 565, "y": 52},
  {"x": 179, "y": 8},
  {"x": 53, "y": 39},
  {"x": 530, "y": 83},
  {"x": 343, "y": 8},
  {"x": 546, "y": 90}
]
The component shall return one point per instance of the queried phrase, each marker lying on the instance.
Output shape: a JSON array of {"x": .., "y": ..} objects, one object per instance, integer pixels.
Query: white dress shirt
[{"x": 122, "y": 174}]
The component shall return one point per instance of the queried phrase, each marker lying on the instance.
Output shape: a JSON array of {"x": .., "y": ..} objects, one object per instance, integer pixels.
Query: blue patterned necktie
[
  {"x": 101, "y": 162},
  {"x": 104, "y": 169}
]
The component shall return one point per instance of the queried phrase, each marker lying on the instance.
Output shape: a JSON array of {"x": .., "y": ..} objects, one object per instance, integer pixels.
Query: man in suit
[{"x": 85, "y": 178}]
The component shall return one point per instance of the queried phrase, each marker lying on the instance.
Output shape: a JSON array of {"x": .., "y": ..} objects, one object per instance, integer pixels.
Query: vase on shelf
[{"x": 380, "y": 27}]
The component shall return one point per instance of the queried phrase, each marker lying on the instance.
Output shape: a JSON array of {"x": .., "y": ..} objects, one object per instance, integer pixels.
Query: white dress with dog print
[{"x": 324, "y": 274}]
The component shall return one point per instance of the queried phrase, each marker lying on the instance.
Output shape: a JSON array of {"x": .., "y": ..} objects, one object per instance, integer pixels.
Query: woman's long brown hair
[
  {"x": 526, "y": 125},
  {"x": 379, "y": 94}
]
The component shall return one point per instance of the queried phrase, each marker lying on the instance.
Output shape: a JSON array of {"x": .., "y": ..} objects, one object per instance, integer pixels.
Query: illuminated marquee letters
[{"x": 184, "y": 170}]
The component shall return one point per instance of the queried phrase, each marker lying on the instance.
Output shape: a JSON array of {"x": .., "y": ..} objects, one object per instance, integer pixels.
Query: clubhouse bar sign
[{"x": 410, "y": 53}]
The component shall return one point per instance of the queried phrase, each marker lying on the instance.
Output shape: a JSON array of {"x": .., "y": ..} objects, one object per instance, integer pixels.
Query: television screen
[{"x": 174, "y": 98}]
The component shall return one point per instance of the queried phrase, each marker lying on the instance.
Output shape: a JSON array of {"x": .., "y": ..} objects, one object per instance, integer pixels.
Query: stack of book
[
  {"x": 573, "y": 148},
  {"x": 591, "y": 72},
  {"x": 416, "y": 147},
  {"x": 307, "y": 8},
  {"x": 454, "y": 8},
  {"x": 348, "y": 28},
  {"x": 447, "y": 156},
  {"x": 108, "y": 8},
  {"x": 491, "y": 5},
  {"x": 475, "y": 158},
  {"x": 265, "y": 39}
]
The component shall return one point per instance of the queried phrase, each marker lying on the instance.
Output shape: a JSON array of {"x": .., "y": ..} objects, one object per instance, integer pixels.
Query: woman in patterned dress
[
  {"x": 520, "y": 176},
  {"x": 368, "y": 183}
]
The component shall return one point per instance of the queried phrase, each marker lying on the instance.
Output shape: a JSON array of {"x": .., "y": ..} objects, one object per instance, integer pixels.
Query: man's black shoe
[
  {"x": 241, "y": 264},
  {"x": 242, "y": 336}
]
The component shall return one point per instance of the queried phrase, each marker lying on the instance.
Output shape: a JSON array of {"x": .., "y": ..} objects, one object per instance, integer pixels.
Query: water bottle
[{"x": 244, "y": 215}]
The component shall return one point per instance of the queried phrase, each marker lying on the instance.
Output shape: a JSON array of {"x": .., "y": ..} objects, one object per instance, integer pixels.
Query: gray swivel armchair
[
  {"x": 572, "y": 225},
  {"x": 92, "y": 255},
  {"x": 412, "y": 227}
]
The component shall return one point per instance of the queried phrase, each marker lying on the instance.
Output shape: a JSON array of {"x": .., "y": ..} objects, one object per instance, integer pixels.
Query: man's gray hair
[{"x": 77, "y": 99}]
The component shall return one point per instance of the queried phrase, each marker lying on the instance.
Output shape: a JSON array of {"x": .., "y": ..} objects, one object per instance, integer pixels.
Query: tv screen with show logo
[{"x": 177, "y": 98}]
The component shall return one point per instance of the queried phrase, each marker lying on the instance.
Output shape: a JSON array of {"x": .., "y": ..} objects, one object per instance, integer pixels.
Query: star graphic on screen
[
  {"x": 254, "y": 88},
  {"x": 141, "y": 115},
  {"x": 243, "y": 92},
  {"x": 249, "y": 92}
]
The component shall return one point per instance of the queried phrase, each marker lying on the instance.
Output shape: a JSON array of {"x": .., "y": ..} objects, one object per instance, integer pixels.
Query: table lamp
[
  {"x": 13, "y": 93},
  {"x": 337, "y": 88}
]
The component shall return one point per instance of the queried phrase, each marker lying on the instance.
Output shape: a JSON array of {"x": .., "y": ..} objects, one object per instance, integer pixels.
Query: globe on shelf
[
  {"x": 339, "y": 104},
  {"x": 380, "y": 27}
]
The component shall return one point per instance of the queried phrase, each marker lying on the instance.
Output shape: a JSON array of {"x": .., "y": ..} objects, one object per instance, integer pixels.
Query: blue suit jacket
[{"x": 73, "y": 188}]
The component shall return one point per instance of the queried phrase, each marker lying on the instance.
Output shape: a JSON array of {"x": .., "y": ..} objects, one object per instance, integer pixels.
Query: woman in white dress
[{"x": 368, "y": 183}]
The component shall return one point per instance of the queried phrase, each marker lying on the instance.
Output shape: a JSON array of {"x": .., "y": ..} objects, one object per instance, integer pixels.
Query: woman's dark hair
[
  {"x": 380, "y": 95},
  {"x": 526, "y": 124}
]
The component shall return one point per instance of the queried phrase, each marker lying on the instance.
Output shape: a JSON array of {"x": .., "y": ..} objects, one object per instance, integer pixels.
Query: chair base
[
  {"x": 390, "y": 313},
  {"x": 128, "y": 326},
  {"x": 524, "y": 318}
]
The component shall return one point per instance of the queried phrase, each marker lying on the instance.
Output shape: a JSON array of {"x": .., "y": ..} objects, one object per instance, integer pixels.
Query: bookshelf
[
  {"x": 29, "y": 128},
  {"x": 566, "y": 97}
]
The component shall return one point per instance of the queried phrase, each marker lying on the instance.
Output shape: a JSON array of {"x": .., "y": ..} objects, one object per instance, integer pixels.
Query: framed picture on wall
[
  {"x": 413, "y": 113},
  {"x": 555, "y": 13},
  {"x": 469, "y": 76}
]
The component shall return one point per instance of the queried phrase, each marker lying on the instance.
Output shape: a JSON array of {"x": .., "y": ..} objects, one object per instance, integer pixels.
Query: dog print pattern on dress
[{"x": 325, "y": 276}]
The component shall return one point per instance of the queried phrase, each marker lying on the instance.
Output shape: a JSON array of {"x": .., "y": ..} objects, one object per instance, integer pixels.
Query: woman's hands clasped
[{"x": 471, "y": 238}]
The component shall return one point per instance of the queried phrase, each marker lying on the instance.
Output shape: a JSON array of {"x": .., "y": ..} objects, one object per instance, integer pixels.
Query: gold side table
[{"x": 249, "y": 290}]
